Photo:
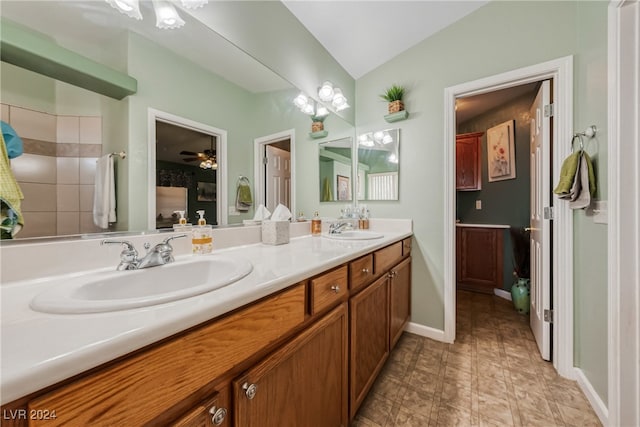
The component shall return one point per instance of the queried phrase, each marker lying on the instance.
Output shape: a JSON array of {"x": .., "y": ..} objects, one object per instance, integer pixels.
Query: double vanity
[{"x": 293, "y": 334}]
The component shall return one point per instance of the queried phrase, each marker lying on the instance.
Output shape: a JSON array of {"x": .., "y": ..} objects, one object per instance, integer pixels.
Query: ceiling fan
[{"x": 206, "y": 157}]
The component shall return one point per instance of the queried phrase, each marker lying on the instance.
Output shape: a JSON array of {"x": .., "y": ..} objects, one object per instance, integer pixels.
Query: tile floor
[{"x": 492, "y": 376}]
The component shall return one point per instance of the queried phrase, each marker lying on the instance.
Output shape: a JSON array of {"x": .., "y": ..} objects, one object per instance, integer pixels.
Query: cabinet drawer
[
  {"x": 406, "y": 246},
  {"x": 385, "y": 258},
  {"x": 328, "y": 289},
  {"x": 360, "y": 272},
  {"x": 136, "y": 390}
]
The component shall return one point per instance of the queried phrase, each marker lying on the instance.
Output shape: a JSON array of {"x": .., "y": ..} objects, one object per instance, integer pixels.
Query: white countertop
[
  {"x": 41, "y": 349},
  {"x": 464, "y": 224}
]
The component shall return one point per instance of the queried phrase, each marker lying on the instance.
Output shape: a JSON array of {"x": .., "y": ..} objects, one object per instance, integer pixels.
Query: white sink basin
[
  {"x": 121, "y": 290},
  {"x": 354, "y": 235}
]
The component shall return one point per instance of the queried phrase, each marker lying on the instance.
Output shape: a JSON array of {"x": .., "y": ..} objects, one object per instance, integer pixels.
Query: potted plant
[
  {"x": 520, "y": 290},
  {"x": 317, "y": 123},
  {"x": 393, "y": 96}
]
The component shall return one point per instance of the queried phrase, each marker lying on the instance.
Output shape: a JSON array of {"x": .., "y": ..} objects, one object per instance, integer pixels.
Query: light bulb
[
  {"x": 326, "y": 91},
  {"x": 387, "y": 139},
  {"x": 300, "y": 101},
  {"x": 322, "y": 111},
  {"x": 342, "y": 107},
  {"x": 131, "y": 8},
  {"x": 166, "y": 15},
  {"x": 308, "y": 109},
  {"x": 338, "y": 98},
  {"x": 378, "y": 135}
]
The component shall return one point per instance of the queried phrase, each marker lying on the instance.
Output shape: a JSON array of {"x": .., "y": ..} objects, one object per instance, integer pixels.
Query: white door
[
  {"x": 540, "y": 228},
  {"x": 278, "y": 177}
]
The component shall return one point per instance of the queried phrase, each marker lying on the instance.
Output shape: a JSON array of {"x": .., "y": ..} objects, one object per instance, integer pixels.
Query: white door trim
[
  {"x": 561, "y": 71},
  {"x": 221, "y": 157},
  {"x": 258, "y": 147},
  {"x": 624, "y": 208}
]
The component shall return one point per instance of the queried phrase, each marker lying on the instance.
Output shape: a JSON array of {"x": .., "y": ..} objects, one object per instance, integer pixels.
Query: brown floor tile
[{"x": 492, "y": 375}]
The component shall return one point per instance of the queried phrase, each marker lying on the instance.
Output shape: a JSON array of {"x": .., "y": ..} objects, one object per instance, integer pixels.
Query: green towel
[
  {"x": 567, "y": 173},
  {"x": 11, "y": 196},
  {"x": 243, "y": 197},
  {"x": 326, "y": 191},
  {"x": 592, "y": 175}
]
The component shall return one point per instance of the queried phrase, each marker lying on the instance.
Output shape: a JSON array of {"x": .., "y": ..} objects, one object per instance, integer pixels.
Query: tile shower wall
[{"x": 57, "y": 170}]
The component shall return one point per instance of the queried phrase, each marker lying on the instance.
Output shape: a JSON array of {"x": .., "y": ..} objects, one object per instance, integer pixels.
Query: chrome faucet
[
  {"x": 337, "y": 227},
  {"x": 160, "y": 254}
]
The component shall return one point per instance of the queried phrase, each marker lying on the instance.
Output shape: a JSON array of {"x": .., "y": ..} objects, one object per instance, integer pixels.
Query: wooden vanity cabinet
[
  {"x": 305, "y": 356},
  {"x": 213, "y": 412},
  {"x": 369, "y": 317},
  {"x": 304, "y": 383},
  {"x": 468, "y": 161},
  {"x": 399, "y": 300}
]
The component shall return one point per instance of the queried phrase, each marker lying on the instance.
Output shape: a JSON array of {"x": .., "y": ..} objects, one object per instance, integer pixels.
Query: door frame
[
  {"x": 258, "y": 167},
  {"x": 561, "y": 72},
  {"x": 154, "y": 115},
  {"x": 624, "y": 228}
]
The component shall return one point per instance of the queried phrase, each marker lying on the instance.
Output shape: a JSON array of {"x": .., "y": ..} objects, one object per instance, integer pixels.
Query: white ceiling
[{"x": 362, "y": 35}]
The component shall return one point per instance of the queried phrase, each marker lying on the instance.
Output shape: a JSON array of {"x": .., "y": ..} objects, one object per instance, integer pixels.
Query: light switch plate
[
  {"x": 599, "y": 211},
  {"x": 478, "y": 204}
]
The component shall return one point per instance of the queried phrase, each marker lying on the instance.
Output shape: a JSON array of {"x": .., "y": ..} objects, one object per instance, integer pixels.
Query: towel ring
[{"x": 579, "y": 136}]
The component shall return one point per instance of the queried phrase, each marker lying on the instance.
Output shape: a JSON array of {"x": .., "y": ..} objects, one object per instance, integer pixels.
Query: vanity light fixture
[
  {"x": 131, "y": 8},
  {"x": 210, "y": 163},
  {"x": 321, "y": 111},
  {"x": 325, "y": 93},
  {"x": 309, "y": 109},
  {"x": 166, "y": 15}
]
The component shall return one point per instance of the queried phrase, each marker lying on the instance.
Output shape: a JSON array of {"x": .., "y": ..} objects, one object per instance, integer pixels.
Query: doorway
[
  {"x": 502, "y": 148},
  {"x": 560, "y": 72},
  {"x": 187, "y": 169},
  {"x": 274, "y": 169}
]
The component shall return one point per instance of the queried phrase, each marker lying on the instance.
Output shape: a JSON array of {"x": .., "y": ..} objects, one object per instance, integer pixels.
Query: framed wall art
[{"x": 501, "y": 155}]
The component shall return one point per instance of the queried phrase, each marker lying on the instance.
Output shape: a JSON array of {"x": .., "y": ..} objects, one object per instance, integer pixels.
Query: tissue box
[{"x": 275, "y": 232}]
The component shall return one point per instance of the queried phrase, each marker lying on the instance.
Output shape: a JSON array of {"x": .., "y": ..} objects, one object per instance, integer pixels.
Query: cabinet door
[
  {"x": 468, "y": 162},
  {"x": 399, "y": 300},
  {"x": 480, "y": 259},
  {"x": 369, "y": 314},
  {"x": 304, "y": 383},
  {"x": 210, "y": 413}
]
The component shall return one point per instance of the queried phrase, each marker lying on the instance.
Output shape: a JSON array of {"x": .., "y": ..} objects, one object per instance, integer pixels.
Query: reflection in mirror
[
  {"x": 335, "y": 164},
  {"x": 378, "y": 165},
  {"x": 186, "y": 175}
]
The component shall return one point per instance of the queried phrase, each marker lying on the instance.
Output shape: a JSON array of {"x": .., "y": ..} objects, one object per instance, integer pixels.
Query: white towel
[{"x": 104, "y": 194}]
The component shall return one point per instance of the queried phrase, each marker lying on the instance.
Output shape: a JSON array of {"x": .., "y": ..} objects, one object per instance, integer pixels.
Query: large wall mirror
[{"x": 191, "y": 73}]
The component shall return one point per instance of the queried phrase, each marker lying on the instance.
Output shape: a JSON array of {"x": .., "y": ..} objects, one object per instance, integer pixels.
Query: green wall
[{"x": 498, "y": 37}]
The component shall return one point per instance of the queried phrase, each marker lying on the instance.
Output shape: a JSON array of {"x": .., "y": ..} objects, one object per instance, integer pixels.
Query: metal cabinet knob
[
  {"x": 250, "y": 390},
  {"x": 335, "y": 288},
  {"x": 217, "y": 415},
  {"x": 365, "y": 270}
]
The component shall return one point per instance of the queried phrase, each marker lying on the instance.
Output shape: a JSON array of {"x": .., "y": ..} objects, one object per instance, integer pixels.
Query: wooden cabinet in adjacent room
[
  {"x": 479, "y": 258},
  {"x": 468, "y": 161}
]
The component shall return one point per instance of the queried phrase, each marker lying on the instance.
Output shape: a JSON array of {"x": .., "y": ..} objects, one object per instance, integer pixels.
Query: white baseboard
[
  {"x": 425, "y": 331},
  {"x": 502, "y": 293},
  {"x": 596, "y": 403}
]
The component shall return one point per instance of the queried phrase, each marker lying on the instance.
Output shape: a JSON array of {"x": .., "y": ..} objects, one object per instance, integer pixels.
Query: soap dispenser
[
  {"x": 316, "y": 225},
  {"x": 182, "y": 222},
  {"x": 202, "y": 236}
]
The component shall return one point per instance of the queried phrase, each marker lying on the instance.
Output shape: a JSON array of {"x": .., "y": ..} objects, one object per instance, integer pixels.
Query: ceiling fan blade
[{"x": 188, "y": 153}]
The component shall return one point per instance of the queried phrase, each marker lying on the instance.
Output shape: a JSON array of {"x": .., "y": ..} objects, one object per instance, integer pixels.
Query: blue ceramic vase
[{"x": 520, "y": 295}]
